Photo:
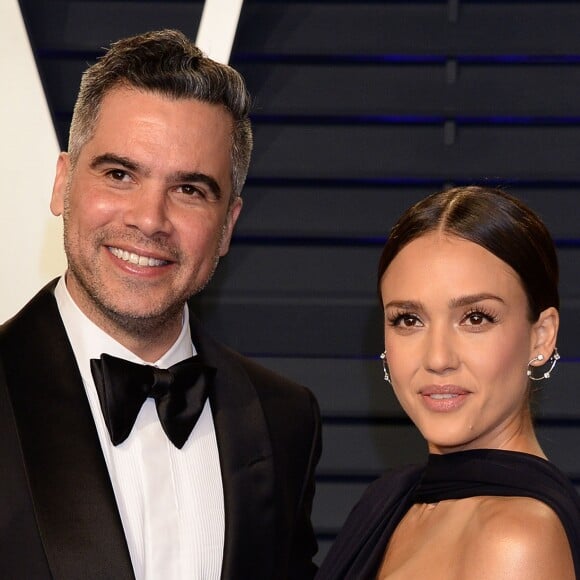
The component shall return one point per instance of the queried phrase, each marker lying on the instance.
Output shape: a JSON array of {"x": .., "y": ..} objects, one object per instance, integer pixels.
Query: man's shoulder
[
  {"x": 264, "y": 377},
  {"x": 42, "y": 306},
  {"x": 277, "y": 393},
  {"x": 266, "y": 381}
]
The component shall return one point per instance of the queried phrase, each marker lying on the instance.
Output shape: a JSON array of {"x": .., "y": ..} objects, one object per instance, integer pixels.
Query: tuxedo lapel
[
  {"x": 73, "y": 499},
  {"x": 246, "y": 464}
]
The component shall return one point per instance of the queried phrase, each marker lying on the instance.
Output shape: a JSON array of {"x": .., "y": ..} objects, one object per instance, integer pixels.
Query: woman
[{"x": 468, "y": 283}]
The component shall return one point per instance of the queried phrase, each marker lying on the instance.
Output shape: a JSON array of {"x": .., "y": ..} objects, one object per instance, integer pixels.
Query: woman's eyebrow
[
  {"x": 404, "y": 305},
  {"x": 472, "y": 299}
]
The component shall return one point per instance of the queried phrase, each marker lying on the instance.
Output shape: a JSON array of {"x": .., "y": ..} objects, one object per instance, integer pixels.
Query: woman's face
[{"x": 458, "y": 342}]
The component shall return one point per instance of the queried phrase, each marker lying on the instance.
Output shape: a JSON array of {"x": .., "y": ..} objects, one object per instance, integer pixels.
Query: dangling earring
[
  {"x": 386, "y": 376},
  {"x": 554, "y": 358}
]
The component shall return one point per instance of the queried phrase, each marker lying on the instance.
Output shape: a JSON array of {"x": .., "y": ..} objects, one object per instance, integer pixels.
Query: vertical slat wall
[{"x": 361, "y": 108}]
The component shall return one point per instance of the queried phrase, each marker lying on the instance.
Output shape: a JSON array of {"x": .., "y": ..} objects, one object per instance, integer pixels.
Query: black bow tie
[{"x": 179, "y": 392}]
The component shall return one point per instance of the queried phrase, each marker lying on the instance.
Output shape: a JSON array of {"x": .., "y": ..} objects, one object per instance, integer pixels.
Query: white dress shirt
[{"x": 170, "y": 500}]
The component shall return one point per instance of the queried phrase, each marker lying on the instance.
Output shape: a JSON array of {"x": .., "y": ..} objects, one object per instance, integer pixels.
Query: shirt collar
[{"x": 90, "y": 341}]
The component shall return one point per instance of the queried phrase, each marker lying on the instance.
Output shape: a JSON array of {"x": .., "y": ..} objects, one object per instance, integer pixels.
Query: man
[{"x": 204, "y": 472}]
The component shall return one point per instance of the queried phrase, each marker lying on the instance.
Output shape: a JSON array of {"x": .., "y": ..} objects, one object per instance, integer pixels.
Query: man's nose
[{"x": 147, "y": 210}]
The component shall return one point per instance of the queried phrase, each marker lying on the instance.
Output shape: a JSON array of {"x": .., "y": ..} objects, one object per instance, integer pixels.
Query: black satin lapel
[
  {"x": 73, "y": 498},
  {"x": 248, "y": 478},
  {"x": 246, "y": 465}
]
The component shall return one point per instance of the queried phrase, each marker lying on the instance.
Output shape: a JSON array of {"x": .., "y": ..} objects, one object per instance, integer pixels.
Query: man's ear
[
  {"x": 60, "y": 183},
  {"x": 231, "y": 219},
  {"x": 545, "y": 333}
]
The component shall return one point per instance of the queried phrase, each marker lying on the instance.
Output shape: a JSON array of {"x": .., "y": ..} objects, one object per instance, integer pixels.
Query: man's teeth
[
  {"x": 443, "y": 396},
  {"x": 135, "y": 258}
]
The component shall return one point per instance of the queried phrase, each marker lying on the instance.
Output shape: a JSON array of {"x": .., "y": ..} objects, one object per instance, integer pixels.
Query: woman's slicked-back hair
[
  {"x": 167, "y": 63},
  {"x": 494, "y": 220}
]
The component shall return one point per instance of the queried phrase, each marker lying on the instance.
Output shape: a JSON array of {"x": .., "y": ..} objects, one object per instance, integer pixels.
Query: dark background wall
[{"x": 362, "y": 108}]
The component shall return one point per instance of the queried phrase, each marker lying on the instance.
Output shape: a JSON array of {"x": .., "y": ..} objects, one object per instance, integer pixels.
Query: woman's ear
[{"x": 545, "y": 333}]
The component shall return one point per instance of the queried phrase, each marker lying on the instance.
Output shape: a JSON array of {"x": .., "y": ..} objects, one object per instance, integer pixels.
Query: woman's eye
[
  {"x": 475, "y": 319},
  {"x": 478, "y": 318},
  {"x": 405, "y": 321}
]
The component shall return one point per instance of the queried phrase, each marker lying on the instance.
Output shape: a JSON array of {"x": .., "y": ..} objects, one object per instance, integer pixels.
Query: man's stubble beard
[{"x": 100, "y": 301}]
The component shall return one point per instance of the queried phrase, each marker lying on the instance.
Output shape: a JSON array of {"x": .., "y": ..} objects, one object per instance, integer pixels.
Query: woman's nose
[{"x": 440, "y": 350}]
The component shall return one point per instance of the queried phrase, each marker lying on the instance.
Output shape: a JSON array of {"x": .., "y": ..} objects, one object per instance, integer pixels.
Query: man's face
[{"x": 146, "y": 208}]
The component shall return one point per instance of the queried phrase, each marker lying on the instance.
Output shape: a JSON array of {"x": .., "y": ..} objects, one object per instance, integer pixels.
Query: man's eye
[
  {"x": 118, "y": 174},
  {"x": 189, "y": 189}
]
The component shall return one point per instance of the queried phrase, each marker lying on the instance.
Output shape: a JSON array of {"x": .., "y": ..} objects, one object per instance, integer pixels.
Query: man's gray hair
[{"x": 168, "y": 63}]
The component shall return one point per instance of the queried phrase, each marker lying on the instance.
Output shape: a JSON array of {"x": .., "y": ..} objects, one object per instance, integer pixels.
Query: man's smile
[{"x": 136, "y": 258}]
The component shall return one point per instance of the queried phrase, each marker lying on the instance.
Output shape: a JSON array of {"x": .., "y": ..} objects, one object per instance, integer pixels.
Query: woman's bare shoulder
[{"x": 517, "y": 538}]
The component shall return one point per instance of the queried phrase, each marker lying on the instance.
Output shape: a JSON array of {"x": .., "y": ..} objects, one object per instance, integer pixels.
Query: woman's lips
[{"x": 443, "y": 398}]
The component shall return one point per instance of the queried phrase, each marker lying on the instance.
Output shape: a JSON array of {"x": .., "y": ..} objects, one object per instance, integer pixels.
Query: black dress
[{"x": 359, "y": 549}]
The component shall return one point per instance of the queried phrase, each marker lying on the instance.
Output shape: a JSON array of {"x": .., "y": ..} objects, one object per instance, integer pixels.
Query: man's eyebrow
[
  {"x": 194, "y": 177},
  {"x": 108, "y": 158},
  {"x": 179, "y": 176},
  {"x": 472, "y": 299}
]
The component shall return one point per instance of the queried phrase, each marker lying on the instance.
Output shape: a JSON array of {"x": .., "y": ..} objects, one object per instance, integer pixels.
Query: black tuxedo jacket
[{"x": 58, "y": 515}]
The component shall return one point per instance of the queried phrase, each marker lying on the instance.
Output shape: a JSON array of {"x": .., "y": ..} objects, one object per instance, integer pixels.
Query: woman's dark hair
[{"x": 495, "y": 221}]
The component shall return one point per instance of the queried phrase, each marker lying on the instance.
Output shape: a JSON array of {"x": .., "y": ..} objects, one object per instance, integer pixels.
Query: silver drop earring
[
  {"x": 386, "y": 376},
  {"x": 554, "y": 358}
]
